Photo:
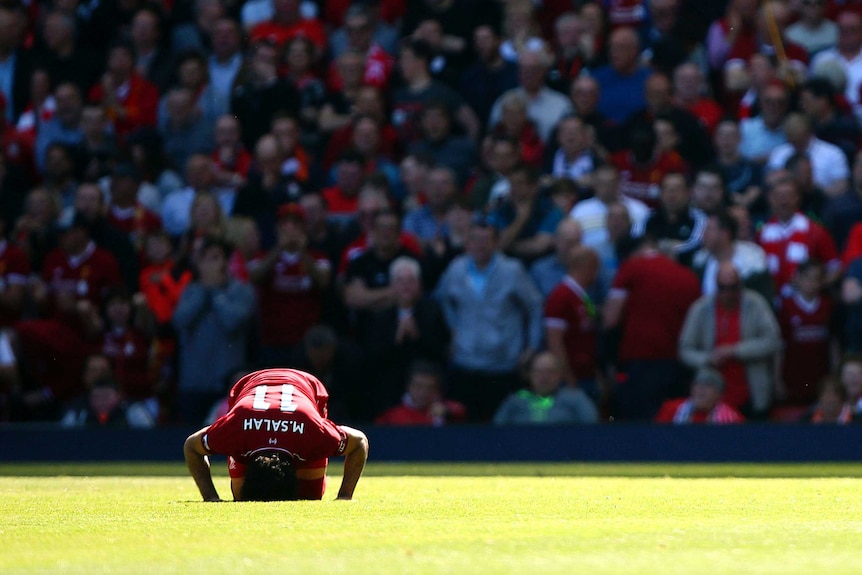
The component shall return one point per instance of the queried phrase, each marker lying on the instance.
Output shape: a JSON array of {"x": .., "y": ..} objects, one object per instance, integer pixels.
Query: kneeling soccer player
[{"x": 278, "y": 441}]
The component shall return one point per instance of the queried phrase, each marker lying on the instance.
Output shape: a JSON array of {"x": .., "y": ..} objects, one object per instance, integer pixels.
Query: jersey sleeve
[{"x": 555, "y": 310}]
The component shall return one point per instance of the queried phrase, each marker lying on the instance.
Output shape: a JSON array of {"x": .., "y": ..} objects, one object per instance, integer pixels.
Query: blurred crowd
[{"x": 520, "y": 211}]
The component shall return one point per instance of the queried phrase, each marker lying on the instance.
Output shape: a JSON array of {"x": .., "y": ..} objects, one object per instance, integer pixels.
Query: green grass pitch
[{"x": 472, "y": 519}]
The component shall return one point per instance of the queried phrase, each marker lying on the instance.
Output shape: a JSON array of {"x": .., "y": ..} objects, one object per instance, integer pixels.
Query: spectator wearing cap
[
  {"x": 734, "y": 331},
  {"x": 65, "y": 126},
  {"x": 494, "y": 313},
  {"x": 703, "y": 405},
  {"x": 213, "y": 319},
  {"x": 130, "y": 101},
  {"x": 125, "y": 212},
  {"x": 290, "y": 280}
]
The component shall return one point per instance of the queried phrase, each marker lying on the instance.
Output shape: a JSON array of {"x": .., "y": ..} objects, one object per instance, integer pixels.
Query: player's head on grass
[{"x": 269, "y": 476}]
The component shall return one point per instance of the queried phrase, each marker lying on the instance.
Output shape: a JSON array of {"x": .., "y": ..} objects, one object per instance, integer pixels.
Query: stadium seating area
[{"x": 449, "y": 211}]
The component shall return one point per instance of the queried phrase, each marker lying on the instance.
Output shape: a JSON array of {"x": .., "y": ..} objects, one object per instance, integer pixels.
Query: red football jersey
[
  {"x": 290, "y": 303},
  {"x": 644, "y": 182},
  {"x": 276, "y": 409},
  {"x": 14, "y": 271},
  {"x": 658, "y": 293},
  {"x": 805, "y": 330},
  {"x": 87, "y": 276},
  {"x": 129, "y": 350},
  {"x": 789, "y": 244},
  {"x": 568, "y": 307},
  {"x": 136, "y": 222}
]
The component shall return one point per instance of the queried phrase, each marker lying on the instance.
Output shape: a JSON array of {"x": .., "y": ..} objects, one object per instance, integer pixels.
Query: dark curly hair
[{"x": 269, "y": 476}]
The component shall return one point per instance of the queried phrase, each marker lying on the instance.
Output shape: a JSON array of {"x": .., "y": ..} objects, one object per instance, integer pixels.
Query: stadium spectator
[
  {"x": 429, "y": 221},
  {"x": 64, "y": 126},
  {"x": 419, "y": 89},
  {"x": 154, "y": 61},
  {"x": 722, "y": 244},
  {"x": 411, "y": 328},
  {"x": 213, "y": 318},
  {"x": 232, "y": 160},
  {"x": 703, "y": 405},
  {"x": 489, "y": 76},
  {"x": 851, "y": 297},
  {"x": 130, "y": 101},
  {"x": 622, "y": 81},
  {"x": 648, "y": 301},
  {"x": 585, "y": 96},
  {"x": 790, "y": 237},
  {"x": 734, "y": 332},
  {"x": 299, "y": 59},
  {"x": 817, "y": 100},
  {"x": 526, "y": 220},
  {"x": 828, "y": 162},
  {"x": 550, "y": 270},
  {"x": 423, "y": 402},
  {"x": 546, "y": 400},
  {"x": 494, "y": 313},
  {"x": 366, "y": 21},
  {"x": 764, "y": 132},
  {"x": 515, "y": 124},
  {"x": 813, "y": 31},
  {"x": 359, "y": 29},
  {"x": 545, "y": 107},
  {"x": 269, "y": 474},
  {"x": 643, "y": 165},
  {"x": 592, "y": 213},
  {"x": 186, "y": 131},
  {"x": 689, "y": 94},
  {"x": 193, "y": 76},
  {"x": 571, "y": 321},
  {"x": 850, "y": 373},
  {"x": 676, "y": 225},
  {"x": 200, "y": 180},
  {"x": 14, "y": 278},
  {"x": 832, "y": 406},
  {"x": 694, "y": 144},
  {"x": 104, "y": 405},
  {"x": 225, "y": 60},
  {"x": 848, "y": 53},
  {"x": 439, "y": 143},
  {"x": 19, "y": 62},
  {"x": 805, "y": 318},
  {"x": 63, "y": 56},
  {"x": 257, "y": 98},
  {"x": 741, "y": 176},
  {"x": 290, "y": 281},
  {"x": 576, "y": 157}
]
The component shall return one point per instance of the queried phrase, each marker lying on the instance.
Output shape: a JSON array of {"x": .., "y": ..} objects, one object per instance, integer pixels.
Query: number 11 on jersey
[{"x": 286, "y": 401}]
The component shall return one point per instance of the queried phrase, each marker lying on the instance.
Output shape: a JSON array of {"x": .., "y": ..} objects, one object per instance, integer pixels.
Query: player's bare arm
[
  {"x": 355, "y": 455},
  {"x": 198, "y": 463}
]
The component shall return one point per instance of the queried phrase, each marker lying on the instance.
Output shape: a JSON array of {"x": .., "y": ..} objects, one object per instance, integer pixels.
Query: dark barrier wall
[{"x": 767, "y": 443}]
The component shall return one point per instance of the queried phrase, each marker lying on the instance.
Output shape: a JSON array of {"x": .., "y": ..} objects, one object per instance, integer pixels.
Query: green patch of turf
[{"x": 476, "y": 519}]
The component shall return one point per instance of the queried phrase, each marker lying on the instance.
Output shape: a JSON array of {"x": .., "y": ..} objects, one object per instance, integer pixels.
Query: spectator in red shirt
[
  {"x": 642, "y": 167},
  {"x": 790, "y": 237},
  {"x": 423, "y": 402},
  {"x": 360, "y": 38},
  {"x": 287, "y": 23},
  {"x": 342, "y": 198},
  {"x": 571, "y": 323},
  {"x": 129, "y": 100},
  {"x": 290, "y": 282},
  {"x": 126, "y": 213},
  {"x": 648, "y": 301},
  {"x": 805, "y": 318},
  {"x": 703, "y": 405},
  {"x": 689, "y": 94}
]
